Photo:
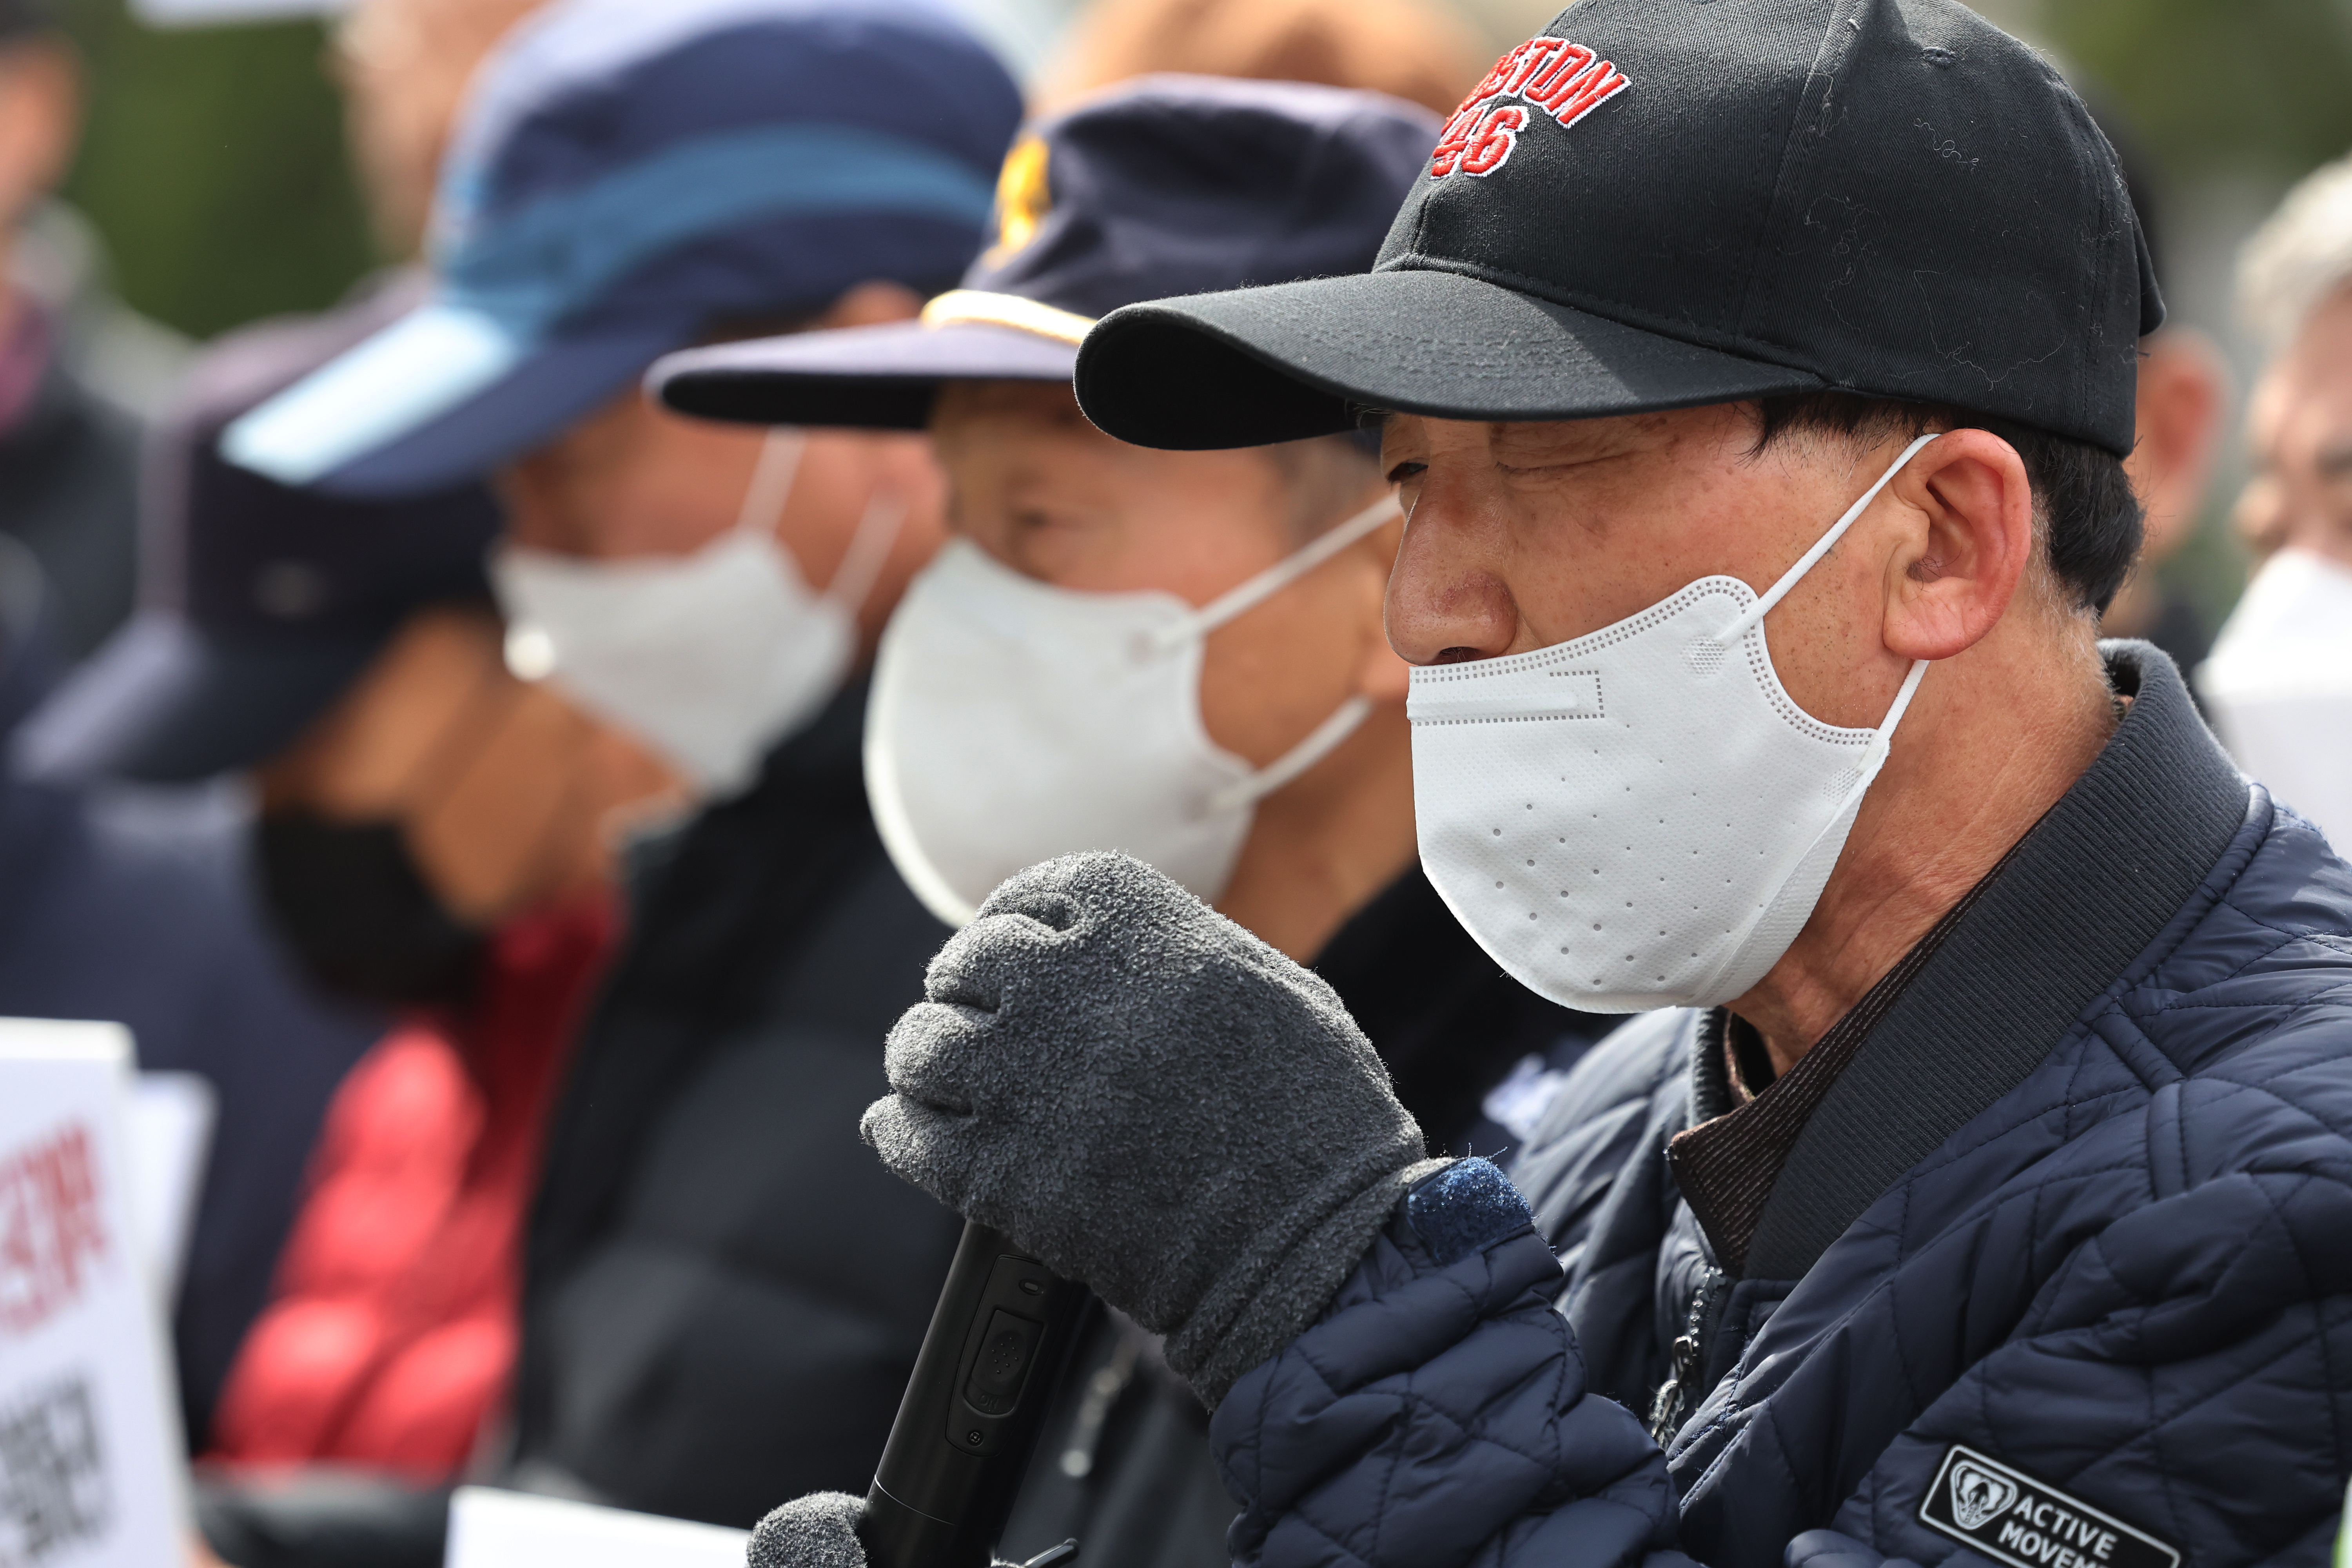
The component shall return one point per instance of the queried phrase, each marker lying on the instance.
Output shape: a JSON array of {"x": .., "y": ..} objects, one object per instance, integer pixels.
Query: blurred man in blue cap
[
  {"x": 1258, "y": 752},
  {"x": 141, "y": 909},
  {"x": 713, "y": 1255},
  {"x": 432, "y": 838},
  {"x": 327, "y": 646}
]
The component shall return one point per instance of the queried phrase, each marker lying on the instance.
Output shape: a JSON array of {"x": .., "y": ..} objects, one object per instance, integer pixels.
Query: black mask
[{"x": 359, "y": 914}]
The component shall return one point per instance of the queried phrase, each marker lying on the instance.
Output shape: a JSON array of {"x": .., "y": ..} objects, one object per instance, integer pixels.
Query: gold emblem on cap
[{"x": 1023, "y": 197}]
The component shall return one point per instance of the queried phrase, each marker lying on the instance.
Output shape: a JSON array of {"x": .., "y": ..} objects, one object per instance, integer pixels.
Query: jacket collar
[{"x": 2083, "y": 894}]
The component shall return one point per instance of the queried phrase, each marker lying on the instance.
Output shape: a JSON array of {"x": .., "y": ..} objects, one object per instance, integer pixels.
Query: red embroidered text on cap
[{"x": 1563, "y": 79}]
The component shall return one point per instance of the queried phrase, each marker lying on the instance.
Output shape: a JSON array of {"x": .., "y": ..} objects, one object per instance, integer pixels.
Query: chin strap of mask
[
  {"x": 1236, "y": 602},
  {"x": 1320, "y": 742}
]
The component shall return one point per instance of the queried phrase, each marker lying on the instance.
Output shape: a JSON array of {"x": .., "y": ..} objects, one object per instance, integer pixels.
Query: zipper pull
[{"x": 1675, "y": 1396}]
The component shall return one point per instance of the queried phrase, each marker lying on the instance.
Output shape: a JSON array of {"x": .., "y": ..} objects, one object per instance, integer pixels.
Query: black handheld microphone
[{"x": 972, "y": 1409}]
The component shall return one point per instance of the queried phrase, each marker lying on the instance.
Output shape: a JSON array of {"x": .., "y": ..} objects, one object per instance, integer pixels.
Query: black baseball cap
[
  {"x": 1171, "y": 184},
  {"x": 1659, "y": 203},
  {"x": 259, "y": 603}
]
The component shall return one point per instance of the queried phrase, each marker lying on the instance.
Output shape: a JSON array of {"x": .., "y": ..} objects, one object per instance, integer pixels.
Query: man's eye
[{"x": 1404, "y": 471}]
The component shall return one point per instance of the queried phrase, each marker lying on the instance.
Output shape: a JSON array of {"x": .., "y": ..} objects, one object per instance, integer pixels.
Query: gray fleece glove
[{"x": 1154, "y": 1102}]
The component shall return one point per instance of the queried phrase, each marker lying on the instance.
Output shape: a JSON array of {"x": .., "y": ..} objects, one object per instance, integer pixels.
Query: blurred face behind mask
[
  {"x": 710, "y": 586},
  {"x": 438, "y": 799},
  {"x": 2299, "y": 428},
  {"x": 1257, "y": 749}
]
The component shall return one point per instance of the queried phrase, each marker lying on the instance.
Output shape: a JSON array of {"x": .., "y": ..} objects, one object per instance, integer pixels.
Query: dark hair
[{"x": 2083, "y": 507}]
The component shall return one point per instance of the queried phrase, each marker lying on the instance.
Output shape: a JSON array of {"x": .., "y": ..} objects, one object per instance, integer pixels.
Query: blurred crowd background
[
  {"x": 216, "y": 174},
  {"x": 318, "y": 827}
]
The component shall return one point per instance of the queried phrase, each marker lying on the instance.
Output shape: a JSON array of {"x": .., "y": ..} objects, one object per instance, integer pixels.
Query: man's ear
[
  {"x": 1971, "y": 539},
  {"x": 2183, "y": 385}
]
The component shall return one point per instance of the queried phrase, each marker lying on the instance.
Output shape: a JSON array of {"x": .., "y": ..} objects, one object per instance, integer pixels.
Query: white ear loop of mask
[
  {"x": 1326, "y": 737},
  {"x": 770, "y": 490},
  {"x": 1821, "y": 546},
  {"x": 868, "y": 553},
  {"x": 1754, "y": 614},
  {"x": 711, "y": 656}
]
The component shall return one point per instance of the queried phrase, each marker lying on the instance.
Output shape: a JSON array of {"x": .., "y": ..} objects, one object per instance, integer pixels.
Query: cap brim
[
  {"x": 166, "y": 702},
  {"x": 442, "y": 396},
  {"x": 1294, "y": 359},
  {"x": 881, "y": 378}
]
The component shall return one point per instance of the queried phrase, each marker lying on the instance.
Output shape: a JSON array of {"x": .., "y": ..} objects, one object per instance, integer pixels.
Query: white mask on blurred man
[
  {"x": 2279, "y": 685},
  {"x": 711, "y": 659},
  {"x": 1013, "y": 720}
]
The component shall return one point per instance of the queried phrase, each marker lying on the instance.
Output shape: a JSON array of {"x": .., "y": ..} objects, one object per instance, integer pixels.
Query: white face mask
[
  {"x": 1640, "y": 817},
  {"x": 1012, "y": 722},
  {"x": 2279, "y": 685},
  {"x": 713, "y": 657}
]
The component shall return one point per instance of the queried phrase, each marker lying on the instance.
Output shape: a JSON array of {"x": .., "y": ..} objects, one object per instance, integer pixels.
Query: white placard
[
  {"x": 91, "y": 1463},
  {"x": 491, "y": 1529},
  {"x": 170, "y": 1132}
]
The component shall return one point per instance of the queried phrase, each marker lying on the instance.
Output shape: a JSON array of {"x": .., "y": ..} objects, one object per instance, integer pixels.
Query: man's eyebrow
[{"x": 1568, "y": 440}]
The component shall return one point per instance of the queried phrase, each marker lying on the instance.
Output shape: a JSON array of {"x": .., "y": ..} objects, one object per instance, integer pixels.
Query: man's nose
[{"x": 1448, "y": 601}]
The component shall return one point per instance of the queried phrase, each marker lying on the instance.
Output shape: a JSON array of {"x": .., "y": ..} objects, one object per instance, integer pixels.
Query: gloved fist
[{"x": 1154, "y": 1102}]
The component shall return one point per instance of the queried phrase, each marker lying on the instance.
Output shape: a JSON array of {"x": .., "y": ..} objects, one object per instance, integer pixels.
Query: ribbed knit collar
[{"x": 1979, "y": 1003}]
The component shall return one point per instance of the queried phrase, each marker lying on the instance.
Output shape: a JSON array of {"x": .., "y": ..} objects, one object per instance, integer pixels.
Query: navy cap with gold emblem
[
  {"x": 1663, "y": 203},
  {"x": 1171, "y": 184}
]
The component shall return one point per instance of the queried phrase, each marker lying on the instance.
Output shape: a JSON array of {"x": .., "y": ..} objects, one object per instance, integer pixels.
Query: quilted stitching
[{"x": 2077, "y": 1283}]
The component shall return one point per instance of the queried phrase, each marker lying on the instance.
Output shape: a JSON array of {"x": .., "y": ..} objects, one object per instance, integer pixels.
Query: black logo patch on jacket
[{"x": 2008, "y": 1515}]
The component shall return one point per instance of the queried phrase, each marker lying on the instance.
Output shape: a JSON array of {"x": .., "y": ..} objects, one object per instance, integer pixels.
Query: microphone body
[{"x": 972, "y": 1409}]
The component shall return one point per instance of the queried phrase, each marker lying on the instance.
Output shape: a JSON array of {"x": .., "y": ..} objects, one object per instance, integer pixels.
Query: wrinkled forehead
[
  {"x": 1047, "y": 404},
  {"x": 1553, "y": 441}
]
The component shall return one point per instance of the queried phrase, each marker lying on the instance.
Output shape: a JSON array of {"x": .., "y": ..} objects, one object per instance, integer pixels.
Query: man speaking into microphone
[{"x": 1973, "y": 1185}]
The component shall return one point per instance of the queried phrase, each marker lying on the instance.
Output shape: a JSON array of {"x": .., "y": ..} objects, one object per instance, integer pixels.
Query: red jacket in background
[{"x": 392, "y": 1326}]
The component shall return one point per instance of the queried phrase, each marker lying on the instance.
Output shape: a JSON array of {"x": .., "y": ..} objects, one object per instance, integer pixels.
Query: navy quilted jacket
[{"x": 2058, "y": 1274}]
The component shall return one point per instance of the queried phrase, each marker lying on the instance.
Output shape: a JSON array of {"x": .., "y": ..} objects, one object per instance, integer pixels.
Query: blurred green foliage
[
  {"x": 214, "y": 166},
  {"x": 2247, "y": 82}
]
